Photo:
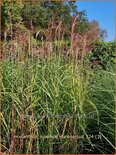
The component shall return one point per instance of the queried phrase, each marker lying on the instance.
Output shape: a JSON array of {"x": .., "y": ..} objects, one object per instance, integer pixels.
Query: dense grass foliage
[{"x": 55, "y": 106}]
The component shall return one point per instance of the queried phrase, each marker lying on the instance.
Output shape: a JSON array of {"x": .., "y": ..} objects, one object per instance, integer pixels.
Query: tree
[
  {"x": 11, "y": 14},
  {"x": 32, "y": 14}
]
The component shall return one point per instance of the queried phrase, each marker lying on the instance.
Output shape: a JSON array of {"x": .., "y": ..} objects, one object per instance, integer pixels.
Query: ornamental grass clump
[{"x": 52, "y": 100}]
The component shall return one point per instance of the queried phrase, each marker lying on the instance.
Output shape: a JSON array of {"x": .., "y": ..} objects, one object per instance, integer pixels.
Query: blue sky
[{"x": 103, "y": 11}]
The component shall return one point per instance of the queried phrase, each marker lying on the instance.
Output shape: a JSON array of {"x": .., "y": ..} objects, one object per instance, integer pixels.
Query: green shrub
[{"x": 103, "y": 54}]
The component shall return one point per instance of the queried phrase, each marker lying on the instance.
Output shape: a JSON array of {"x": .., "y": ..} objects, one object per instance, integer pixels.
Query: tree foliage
[
  {"x": 37, "y": 15},
  {"x": 11, "y": 10}
]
